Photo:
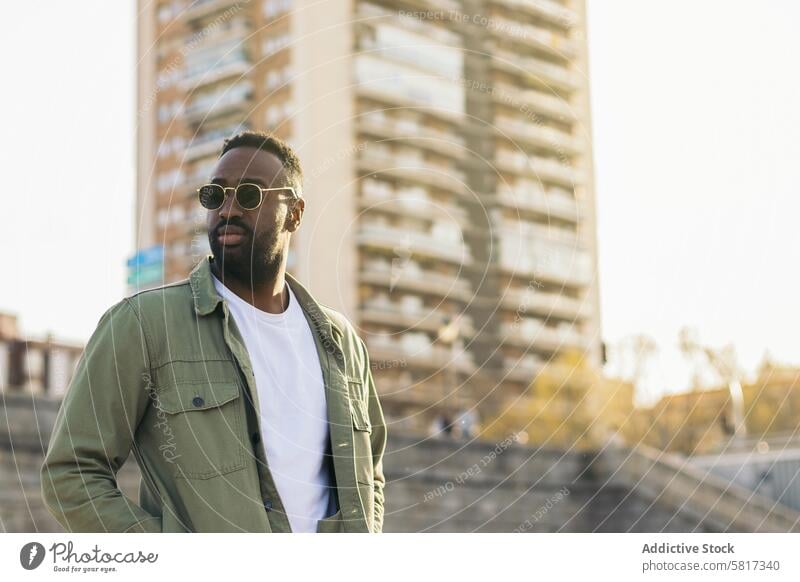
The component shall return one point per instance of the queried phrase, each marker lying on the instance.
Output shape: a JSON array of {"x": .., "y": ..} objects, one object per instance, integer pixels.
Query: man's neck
[{"x": 271, "y": 295}]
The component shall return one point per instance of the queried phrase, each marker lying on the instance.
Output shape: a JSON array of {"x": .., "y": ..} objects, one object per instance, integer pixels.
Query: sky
[
  {"x": 695, "y": 120},
  {"x": 68, "y": 117},
  {"x": 697, "y": 143}
]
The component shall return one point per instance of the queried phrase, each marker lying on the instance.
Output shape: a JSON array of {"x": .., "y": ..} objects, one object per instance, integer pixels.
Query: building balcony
[
  {"x": 552, "y": 11},
  {"x": 203, "y": 8},
  {"x": 554, "y": 170},
  {"x": 403, "y": 242},
  {"x": 548, "y": 74},
  {"x": 402, "y": 276},
  {"x": 387, "y": 97},
  {"x": 537, "y": 101},
  {"x": 411, "y": 318},
  {"x": 432, "y": 358},
  {"x": 517, "y": 232},
  {"x": 532, "y": 36},
  {"x": 187, "y": 187},
  {"x": 519, "y": 131},
  {"x": 541, "y": 337},
  {"x": 204, "y": 40},
  {"x": 544, "y": 169},
  {"x": 446, "y": 6},
  {"x": 545, "y": 305},
  {"x": 576, "y": 272},
  {"x": 412, "y": 134},
  {"x": 198, "y": 149},
  {"x": 535, "y": 202},
  {"x": 371, "y": 15},
  {"x": 235, "y": 99},
  {"x": 422, "y": 208},
  {"x": 216, "y": 73},
  {"x": 425, "y": 59},
  {"x": 413, "y": 170},
  {"x": 210, "y": 142}
]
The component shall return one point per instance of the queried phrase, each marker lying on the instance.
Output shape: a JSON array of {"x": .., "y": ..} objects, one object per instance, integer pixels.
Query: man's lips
[{"x": 230, "y": 235}]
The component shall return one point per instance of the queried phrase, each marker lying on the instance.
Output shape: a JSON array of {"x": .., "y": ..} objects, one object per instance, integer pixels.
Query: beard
[{"x": 253, "y": 262}]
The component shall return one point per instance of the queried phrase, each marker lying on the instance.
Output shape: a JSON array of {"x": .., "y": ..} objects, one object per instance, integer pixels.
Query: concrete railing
[
  {"x": 26, "y": 420},
  {"x": 673, "y": 481}
]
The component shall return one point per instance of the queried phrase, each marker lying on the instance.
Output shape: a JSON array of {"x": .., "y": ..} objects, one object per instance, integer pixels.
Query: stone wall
[
  {"x": 433, "y": 485},
  {"x": 442, "y": 485},
  {"x": 25, "y": 425}
]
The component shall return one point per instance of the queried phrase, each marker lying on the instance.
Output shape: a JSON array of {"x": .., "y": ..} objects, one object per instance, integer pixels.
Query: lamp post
[{"x": 724, "y": 364}]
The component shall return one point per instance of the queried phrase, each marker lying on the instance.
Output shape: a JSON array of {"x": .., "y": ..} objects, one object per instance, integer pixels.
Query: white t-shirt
[{"x": 294, "y": 415}]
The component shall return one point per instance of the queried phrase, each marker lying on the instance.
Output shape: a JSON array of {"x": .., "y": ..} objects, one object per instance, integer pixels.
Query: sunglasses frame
[{"x": 236, "y": 198}]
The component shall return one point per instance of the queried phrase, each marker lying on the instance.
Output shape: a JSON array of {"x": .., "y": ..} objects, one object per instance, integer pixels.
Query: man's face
[{"x": 249, "y": 245}]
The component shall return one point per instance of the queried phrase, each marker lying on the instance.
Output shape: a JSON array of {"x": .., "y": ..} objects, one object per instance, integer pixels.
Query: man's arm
[
  {"x": 94, "y": 430},
  {"x": 378, "y": 437}
]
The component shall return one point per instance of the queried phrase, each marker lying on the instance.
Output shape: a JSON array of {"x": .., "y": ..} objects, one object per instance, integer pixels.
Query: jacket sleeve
[
  {"x": 94, "y": 429},
  {"x": 378, "y": 441}
]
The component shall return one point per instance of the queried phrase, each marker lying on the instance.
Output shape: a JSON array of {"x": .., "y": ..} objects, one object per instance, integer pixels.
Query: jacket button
[
  {"x": 197, "y": 401},
  {"x": 268, "y": 505},
  {"x": 256, "y": 438}
]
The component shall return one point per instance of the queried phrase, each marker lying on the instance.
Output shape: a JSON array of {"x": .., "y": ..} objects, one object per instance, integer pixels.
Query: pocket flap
[
  {"x": 199, "y": 396},
  {"x": 360, "y": 414}
]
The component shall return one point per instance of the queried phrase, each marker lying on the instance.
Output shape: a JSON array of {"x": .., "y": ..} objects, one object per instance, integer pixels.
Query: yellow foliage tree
[{"x": 568, "y": 405}]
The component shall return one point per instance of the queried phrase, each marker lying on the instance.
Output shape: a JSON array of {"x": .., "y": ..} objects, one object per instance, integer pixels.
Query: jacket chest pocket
[{"x": 204, "y": 428}]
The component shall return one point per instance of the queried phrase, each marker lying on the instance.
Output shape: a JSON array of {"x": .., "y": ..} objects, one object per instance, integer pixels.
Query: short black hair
[{"x": 274, "y": 145}]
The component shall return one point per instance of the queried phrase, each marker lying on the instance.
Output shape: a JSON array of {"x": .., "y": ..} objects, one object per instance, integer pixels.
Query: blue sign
[
  {"x": 148, "y": 256},
  {"x": 146, "y": 274}
]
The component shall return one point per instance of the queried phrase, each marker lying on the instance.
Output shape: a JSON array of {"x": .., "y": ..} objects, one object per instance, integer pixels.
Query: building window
[
  {"x": 273, "y": 8},
  {"x": 273, "y": 44},
  {"x": 169, "y": 179},
  {"x": 277, "y": 78},
  {"x": 278, "y": 113}
]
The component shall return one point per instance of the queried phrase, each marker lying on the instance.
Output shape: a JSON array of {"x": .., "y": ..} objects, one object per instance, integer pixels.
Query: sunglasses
[{"x": 247, "y": 196}]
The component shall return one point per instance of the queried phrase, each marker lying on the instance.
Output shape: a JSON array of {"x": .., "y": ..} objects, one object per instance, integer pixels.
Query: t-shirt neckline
[{"x": 260, "y": 315}]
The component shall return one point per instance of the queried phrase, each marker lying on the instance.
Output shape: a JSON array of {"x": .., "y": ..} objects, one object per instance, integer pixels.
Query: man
[{"x": 248, "y": 405}]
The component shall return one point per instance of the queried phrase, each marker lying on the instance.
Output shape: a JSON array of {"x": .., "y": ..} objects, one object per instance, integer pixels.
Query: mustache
[{"x": 233, "y": 222}]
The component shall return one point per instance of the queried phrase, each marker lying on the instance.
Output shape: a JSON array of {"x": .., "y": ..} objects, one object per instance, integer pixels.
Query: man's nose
[{"x": 229, "y": 206}]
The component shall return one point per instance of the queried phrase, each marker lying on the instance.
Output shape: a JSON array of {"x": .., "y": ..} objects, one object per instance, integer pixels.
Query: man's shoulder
[
  {"x": 338, "y": 319},
  {"x": 341, "y": 324},
  {"x": 161, "y": 299}
]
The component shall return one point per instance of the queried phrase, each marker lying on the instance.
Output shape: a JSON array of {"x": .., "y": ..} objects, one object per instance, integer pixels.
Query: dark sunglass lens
[
  {"x": 248, "y": 196},
  {"x": 211, "y": 196}
]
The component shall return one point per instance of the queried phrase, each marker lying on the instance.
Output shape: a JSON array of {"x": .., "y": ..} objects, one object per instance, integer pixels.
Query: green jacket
[{"x": 167, "y": 376}]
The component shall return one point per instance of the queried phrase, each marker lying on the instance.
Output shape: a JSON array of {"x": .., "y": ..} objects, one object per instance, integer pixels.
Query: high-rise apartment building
[{"x": 447, "y": 154}]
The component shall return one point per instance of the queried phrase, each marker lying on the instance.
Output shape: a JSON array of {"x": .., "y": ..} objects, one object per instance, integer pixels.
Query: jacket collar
[
  {"x": 206, "y": 298},
  {"x": 204, "y": 293}
]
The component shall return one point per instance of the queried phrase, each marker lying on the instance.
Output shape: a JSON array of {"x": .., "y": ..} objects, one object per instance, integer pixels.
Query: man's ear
[{"x": 295, "y": 214}]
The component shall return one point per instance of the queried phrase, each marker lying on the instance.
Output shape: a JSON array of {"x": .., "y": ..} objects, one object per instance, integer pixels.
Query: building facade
[
  {"x": 448, "y": 169},
  {"x": 34, "y": 366}
]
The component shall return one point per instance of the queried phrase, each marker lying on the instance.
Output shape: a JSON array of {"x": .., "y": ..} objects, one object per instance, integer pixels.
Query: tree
[{"x": 568, "y": 405}]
